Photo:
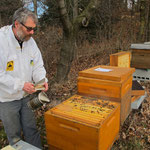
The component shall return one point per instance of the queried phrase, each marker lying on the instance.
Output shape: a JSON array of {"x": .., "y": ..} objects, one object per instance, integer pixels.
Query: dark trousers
[{"x": 17, "y": 117}]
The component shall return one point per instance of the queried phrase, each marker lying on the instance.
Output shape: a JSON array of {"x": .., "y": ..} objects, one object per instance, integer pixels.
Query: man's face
[{"x": 25, "y": 30}]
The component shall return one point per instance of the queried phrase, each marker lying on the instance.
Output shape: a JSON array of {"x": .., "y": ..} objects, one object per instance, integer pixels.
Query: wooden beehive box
[
  {"x": 108, "y": 82},
  {"x": 82, "y": 123},
  {"x": 121, "y": 59},
  {"x": 140, "y": 56}
]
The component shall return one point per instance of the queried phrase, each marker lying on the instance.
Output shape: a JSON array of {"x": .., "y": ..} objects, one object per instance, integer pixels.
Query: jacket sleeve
[{"x": 39, "y": 71}]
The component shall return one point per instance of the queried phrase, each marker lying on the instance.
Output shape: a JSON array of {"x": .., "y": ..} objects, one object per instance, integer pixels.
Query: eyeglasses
[{"x": 29, "y": 29}]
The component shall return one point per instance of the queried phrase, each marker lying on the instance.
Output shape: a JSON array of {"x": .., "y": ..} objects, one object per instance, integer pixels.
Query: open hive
[{"x": 83, "y": 123}]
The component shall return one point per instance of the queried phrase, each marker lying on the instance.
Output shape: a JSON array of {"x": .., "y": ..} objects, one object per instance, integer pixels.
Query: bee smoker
[{"x": 37, "y": 100}]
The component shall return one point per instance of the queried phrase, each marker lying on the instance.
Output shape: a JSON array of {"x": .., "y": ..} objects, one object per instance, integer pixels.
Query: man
[{"x": 21, "y": 66}]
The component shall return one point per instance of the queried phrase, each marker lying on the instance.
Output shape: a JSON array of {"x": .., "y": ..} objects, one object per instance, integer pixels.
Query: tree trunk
[
  {"x": 148, "y": 23},
  {"x": 133, "y": 5},
  {"x": 67, "y": 50},
  {"x": 0, "y": 20},
  {"x": 35, "y": 6},
  {"x": 109, "y": 21},
  {"x": 142, "y": 20},
  {"x": 70, "y": 30},
  {"x": 75, "y": 8},
  {"x": 66, "y": 57},
  {"x": 126, "y": 5}
]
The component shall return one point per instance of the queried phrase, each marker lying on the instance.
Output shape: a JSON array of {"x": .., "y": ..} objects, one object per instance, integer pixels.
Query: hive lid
[
  {"x": 144, "y": 46},
  {"x": 87, "y": 110},
  {"x": 111, "y": 73}
]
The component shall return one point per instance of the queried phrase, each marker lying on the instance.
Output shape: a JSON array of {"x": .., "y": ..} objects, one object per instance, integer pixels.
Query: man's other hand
[
  {"x": 46, "y": 86},
  {"x": 29, "y": 88}
]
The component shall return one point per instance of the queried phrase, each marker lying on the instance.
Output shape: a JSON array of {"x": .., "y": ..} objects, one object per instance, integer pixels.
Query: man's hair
[{"x": 22, "y": 14}]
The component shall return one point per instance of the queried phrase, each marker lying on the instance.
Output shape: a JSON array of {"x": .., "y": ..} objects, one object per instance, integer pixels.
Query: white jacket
[{"x": 17, "y": 65}]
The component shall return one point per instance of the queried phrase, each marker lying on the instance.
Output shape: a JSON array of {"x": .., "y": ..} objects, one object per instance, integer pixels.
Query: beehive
[
  {"x": 109, "y": 82},
  {"x": 140, "y": 56},
  {"x": 140, "y": 59},
  {"x": 82, "y": 123},
  {"x": 120, "y": 59}
]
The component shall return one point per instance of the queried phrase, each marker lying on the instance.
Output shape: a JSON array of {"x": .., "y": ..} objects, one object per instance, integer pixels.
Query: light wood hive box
[
  {"x": 82, "y": 123},
  {"x": 140, "y": 58},
  {"x": 120, "y": 59},
  {"x": 114, "y": 85}
]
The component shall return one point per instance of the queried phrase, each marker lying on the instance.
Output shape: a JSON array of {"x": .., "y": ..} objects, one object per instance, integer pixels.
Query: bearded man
[{"x": 21, "y": 66}]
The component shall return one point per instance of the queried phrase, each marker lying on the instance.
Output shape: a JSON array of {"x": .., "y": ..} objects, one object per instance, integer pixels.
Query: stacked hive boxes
[
  {"x": 82, "y": 123},
  {"x": 91, "y": 120},
  {"x": 120, "y": 59},
  {"x": 110, "y": 83}
]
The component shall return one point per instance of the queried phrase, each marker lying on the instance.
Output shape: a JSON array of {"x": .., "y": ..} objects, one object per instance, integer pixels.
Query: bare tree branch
[
  {"x": 64, "y": 15},
  {"x": 86, "y": 15},
  {"x": 75, "y": 8}
]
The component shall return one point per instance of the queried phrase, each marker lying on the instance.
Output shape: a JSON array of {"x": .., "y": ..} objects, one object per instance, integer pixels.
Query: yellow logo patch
[
  {"x": 31, "y": 63},
  {"x": 10, "y": 66}
]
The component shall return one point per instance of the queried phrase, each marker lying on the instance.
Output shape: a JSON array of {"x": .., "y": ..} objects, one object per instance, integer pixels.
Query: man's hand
[
  {"x": 46, "y": 86},
  {"x": 29, "y": 88}
]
